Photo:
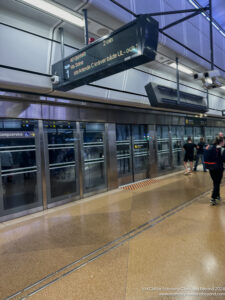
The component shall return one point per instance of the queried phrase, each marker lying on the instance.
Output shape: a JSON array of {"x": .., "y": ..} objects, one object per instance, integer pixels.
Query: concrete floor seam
[{"x": 133, "y": 233}]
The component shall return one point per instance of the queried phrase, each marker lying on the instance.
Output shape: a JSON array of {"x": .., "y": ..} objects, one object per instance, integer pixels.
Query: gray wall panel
[{"x": 23, "y": 50}]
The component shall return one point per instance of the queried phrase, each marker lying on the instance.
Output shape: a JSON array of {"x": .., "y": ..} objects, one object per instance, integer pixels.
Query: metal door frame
[
  {"x": 145, "y": 174},
  {"x": 29, "y": 208},
  {"x": 129, "y": 178},
  {"x": 98, "y": 190},
  {"x": 178, "y": 139},
  {"x": 52, "y": 202}
]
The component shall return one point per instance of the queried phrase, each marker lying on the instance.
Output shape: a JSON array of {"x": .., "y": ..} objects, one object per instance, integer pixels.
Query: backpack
[{"x": 211, "y": 157}]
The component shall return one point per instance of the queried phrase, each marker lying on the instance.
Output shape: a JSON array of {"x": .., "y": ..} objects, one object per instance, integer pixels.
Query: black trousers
[{"x": 216, "y": 176}]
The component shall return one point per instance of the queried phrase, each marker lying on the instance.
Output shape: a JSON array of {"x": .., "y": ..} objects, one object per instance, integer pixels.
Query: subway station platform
[{"x": 161, "y": 240}]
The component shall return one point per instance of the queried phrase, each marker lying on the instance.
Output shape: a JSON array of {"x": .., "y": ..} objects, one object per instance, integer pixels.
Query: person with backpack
[
  {"x": 214, "y": 157},
  {"x": 200, "y": 154}
]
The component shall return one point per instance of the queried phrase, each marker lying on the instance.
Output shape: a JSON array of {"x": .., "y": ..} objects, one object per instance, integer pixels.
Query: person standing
[
  {"x": 189, "y": 155},
  {"x": 214, "y": 158},
  {"x": 200, "y": 154}
]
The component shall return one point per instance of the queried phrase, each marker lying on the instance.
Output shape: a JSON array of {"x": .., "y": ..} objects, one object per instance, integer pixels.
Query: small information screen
[{"x": 131, "y": 45}]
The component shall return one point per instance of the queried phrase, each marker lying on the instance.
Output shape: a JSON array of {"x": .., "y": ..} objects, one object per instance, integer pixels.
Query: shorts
[{"x": 188, "y": 157}]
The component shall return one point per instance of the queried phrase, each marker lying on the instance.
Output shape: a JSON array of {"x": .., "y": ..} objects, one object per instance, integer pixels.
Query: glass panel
[
  {"x": 62, "y": 160},
  {"x": 188, "y": 131},
  {"x": 18, "y": 164},
  {"x": 123, "y": 166},
  {"x": 92, "y": 152},
  {"x": 122, "y": 132},
  {"x": 140, "y": 132},
  {"x": 19, "y": 190},
  {"x": 197, "y": 134},
  {"x": 209, "y": 134},
  {"x": 123, "y": 146},
  {"x": 163, "y": 148},
  {"x": 163, "y": 161},
  {"x": 94, "y": 159},
  {"x": 94, "y": 176},
  {"x": 61, "y": 155},
  {"x": 141, "y": 148},
  {"x": 141, "y": 163},
  {"x": 62, "y": 181},
  {"x": 177, "y": 133}
]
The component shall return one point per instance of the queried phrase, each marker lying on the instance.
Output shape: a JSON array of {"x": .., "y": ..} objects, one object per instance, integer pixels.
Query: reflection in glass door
[
  {"x": 208, "y": 135},
  {"x": 140, "y": 152},
  {"x": 198, "y": 133},
  {"x": 163, "y": 152},
  {"x": 63, "y": 179},
  {"x": 19, "y": 160},
  {"x": 124, "y": 157},
  {"x": 188, "y": 131},
  {"x": 177, "y": 133},
  {"x": 132, "y": 153},
  {"x": 93, "y": 149}
]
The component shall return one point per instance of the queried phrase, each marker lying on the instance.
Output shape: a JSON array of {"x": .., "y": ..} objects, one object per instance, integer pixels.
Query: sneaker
[
  {"x": 213, "y": 202},
  {"x": 218, "y": 198}
]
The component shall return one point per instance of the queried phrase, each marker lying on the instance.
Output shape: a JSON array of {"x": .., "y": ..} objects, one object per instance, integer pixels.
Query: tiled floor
[{"x": 173, "y": 242}]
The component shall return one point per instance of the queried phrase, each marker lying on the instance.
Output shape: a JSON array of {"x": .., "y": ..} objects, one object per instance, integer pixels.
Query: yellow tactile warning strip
[{"x": 139, "y": 185}]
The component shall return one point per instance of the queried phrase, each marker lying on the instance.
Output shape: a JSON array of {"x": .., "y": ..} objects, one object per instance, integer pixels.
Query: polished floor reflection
[{"x": 120, "y": 245}]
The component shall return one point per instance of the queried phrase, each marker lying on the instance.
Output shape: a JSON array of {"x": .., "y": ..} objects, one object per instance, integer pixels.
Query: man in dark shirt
[
  {"x": 189, "y": 155},
  {"x": 200, "y": 154}
]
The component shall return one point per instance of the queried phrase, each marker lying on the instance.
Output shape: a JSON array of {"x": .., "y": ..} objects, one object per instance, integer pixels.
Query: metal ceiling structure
[{"x": 218, "y": 10}]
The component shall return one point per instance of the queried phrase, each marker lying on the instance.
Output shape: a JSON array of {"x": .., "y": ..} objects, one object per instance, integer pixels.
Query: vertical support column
[
  {"x": 80, "y": 158},
  {"x": 43, "y": 164},
  {"x": 153, "y": 151},
  {"x": 207, "y": 98},
  {"x": 178, "y": 83},
  {"x": 85, "y": 26},
  {"x": 61, "y": 31},
  {"x": 1, "y": 191},
  {"x": 171, "y": 149},
  {"x": 111, "y": 160},
  {"x": 211, "y": 34}
]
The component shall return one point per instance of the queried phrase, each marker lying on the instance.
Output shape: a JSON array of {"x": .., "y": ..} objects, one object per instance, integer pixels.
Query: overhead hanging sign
[{"x": 131, "y": 45}]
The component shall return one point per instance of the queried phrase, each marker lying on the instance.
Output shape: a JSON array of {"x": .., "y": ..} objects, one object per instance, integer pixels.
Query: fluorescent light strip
[
  {"x": 181, "y": 68},
  {"x": 56, "y": 11}
]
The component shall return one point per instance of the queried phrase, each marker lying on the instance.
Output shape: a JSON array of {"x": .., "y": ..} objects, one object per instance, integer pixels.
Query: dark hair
[
  {"x": 201, "y": 139},
  {"x": 218, "y": 140},
  {"x": 189, "y": 139}
]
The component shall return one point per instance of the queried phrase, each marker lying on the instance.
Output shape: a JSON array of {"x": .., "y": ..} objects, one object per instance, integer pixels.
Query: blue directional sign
[{"x": 131, "y": 45}]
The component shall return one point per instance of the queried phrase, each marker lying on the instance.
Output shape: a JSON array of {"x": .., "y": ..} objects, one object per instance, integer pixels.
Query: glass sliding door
[
  {"x": 132, "y": 143},
  {"x": 140, "y": 139},
  {"x": 198, "y": 133},
  {"x": 163, "y": 149},
  {"x": 94, "y": 162},
  {"x": 188, "y": 131},
  {"x": 19, "y": 167},
  {"x": 63, "y": 179},
  {"x": 124, "y": 156},
  {"x": 177, "y": 133}
]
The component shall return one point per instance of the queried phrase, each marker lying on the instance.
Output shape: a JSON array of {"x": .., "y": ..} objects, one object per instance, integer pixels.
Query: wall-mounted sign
[
  {"x": 195, "y": 122},
  {"x": 131, "y": 45},
  {"x": 16, "y": 134}
]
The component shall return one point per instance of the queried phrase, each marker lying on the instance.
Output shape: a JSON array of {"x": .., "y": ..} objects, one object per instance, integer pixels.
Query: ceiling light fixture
[
  {"x": 223, "y": 87},
  {"x": 56, "y": 10},
  {"x": 181, "y": 68}
]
